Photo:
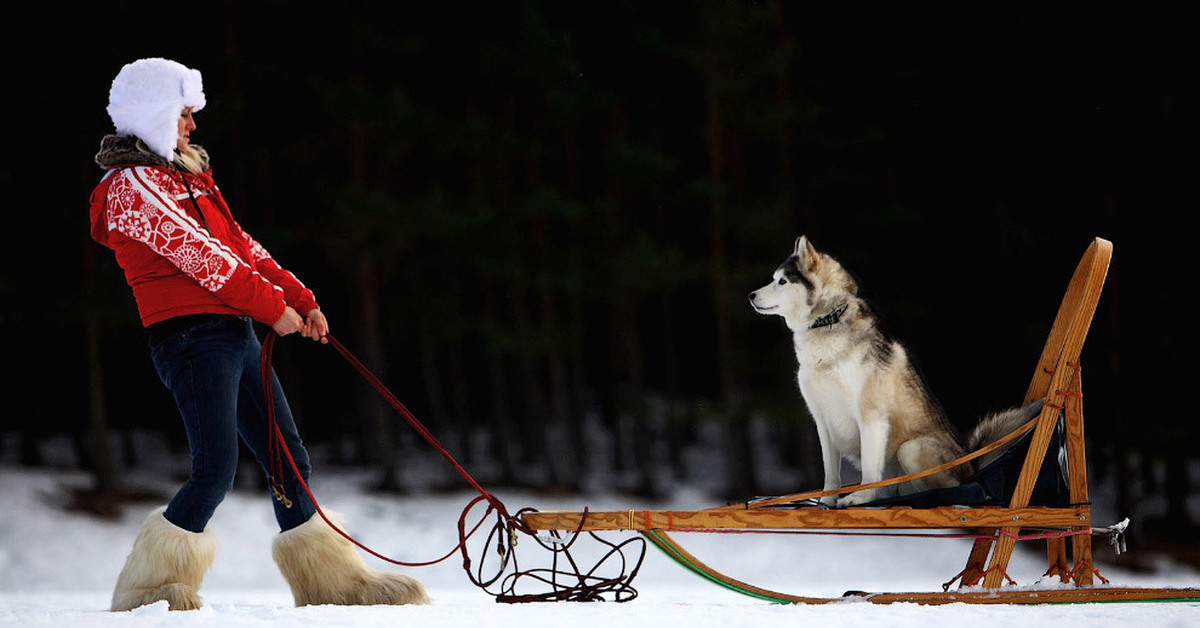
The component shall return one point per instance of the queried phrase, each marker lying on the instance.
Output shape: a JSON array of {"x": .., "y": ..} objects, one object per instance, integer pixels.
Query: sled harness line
[{"x": 573, "y": 585}]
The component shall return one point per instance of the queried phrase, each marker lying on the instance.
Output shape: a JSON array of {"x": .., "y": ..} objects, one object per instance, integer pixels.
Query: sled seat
[{"x": 996, "y": 482}]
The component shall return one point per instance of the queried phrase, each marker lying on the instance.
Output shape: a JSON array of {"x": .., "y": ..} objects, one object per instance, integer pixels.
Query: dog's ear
[{"x": 806, "y": 255}]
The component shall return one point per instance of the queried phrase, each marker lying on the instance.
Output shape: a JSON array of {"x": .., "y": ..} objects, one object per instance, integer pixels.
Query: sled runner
[{"x": 1026, "y": 490}]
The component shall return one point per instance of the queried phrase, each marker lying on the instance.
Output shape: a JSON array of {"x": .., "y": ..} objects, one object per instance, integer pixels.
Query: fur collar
[{"x": 126, "y": 150}]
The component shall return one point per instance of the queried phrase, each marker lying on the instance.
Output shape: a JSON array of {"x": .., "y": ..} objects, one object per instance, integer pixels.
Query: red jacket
[{"x": 178, "y": 261}]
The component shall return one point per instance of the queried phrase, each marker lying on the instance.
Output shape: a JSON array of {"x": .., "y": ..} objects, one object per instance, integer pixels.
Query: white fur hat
[{"x": 147, "y": 97}]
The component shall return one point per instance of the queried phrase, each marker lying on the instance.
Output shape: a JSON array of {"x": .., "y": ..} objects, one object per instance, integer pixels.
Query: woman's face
[{"x": 186, "y": 126}]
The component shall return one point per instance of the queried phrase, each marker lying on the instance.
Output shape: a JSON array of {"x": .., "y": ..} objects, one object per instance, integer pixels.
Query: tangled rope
[{"x": 611, "y": 575}]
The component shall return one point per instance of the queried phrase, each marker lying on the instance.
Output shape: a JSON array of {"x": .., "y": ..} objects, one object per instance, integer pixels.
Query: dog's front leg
[
  {"x": 873, "y": 438},
  {"x": 831, "y": 459}
]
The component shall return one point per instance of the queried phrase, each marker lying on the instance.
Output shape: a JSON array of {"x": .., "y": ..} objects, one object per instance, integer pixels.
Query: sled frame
[{"x": 1056, "y": 380}]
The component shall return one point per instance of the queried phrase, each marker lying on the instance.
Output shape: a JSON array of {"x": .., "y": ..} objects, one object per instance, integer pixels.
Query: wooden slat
[
  {"x": 1081, "y": 545},
  {"x": 977, "y": 559},
  {"x": 1006, "y": 540},
  {"x": 1056, "y": 559},
  {"x": 807, "y": 518}
]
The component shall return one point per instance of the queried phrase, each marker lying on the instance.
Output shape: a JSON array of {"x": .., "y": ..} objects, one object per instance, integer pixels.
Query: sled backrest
[{"x": 1057, "y": 380}]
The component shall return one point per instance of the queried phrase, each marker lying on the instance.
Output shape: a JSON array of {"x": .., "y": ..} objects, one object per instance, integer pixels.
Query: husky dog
[{"x": 869, "y": 403}]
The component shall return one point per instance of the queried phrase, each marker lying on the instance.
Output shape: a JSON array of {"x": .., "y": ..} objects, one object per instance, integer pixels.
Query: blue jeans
[{"x": 213, "y": 371}]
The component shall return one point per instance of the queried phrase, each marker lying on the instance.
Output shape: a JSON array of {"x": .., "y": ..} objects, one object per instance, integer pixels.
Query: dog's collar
[{"x": 831, "y": 318}]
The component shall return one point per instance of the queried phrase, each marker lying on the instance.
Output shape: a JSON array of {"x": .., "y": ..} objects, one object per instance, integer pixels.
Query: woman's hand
[
  {"x": 289, "y": 323},
  {"x": 315, "y": 326}
]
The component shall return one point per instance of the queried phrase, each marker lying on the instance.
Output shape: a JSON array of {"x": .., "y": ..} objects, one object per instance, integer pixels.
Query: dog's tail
[{"x": 996, "y": 426}]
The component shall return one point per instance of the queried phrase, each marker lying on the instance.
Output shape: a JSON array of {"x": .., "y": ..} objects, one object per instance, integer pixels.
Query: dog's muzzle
[{"x": 756, "y": 306}]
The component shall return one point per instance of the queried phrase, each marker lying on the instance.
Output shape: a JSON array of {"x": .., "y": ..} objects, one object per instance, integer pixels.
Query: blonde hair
[{"x": 189, "y": 160}]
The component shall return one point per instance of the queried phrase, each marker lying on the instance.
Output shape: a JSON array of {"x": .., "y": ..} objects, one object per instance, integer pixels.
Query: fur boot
[
  {"x": 323, "y": 567},
  {"x": 166, "y": 563}
]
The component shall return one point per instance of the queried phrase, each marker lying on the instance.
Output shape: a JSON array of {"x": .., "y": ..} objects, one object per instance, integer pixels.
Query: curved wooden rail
[
  {"x": 662, "y": 541},
  {"x": 1071, "y": 595}
]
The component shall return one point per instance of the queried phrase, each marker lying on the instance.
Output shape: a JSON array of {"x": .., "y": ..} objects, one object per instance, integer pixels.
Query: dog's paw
[
  {"x": 829, "y": 501},
  {"x": 856, "y": 498}
]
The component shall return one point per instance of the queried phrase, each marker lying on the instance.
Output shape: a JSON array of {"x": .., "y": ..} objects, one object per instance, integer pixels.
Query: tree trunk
[
  {"x": 377, "y": 438},
  {"x": 716, "y": 79},
  {"x": 565, "y": 462},
  {"x": 507, "y": 445},
  {"x": 96, "y": 440},
  {"x": 536, "y": 409},
  {"x": 718, "y": 243}
]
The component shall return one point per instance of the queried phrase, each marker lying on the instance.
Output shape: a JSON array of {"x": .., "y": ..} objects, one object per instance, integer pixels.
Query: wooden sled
[{"x": 996, "y": 528}]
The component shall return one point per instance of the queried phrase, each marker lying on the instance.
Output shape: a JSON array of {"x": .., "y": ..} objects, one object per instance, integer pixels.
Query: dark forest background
[{"x": 538, "y": 223}]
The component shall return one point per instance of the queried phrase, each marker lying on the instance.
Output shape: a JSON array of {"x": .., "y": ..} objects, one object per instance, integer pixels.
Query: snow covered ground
[{"x": 57, "y": 569}]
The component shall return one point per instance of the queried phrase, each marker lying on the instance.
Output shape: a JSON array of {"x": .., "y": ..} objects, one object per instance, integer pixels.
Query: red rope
[
  {"x": 278, "y": 451},
  {"x": 1083, "y": 564}
]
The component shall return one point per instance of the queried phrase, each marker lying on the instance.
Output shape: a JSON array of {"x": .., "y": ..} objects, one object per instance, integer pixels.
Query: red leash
[
  {"x": 566, "y": 581},
  {"x": 279, "y": 451}
]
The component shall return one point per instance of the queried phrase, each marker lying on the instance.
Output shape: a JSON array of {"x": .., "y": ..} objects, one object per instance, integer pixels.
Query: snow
[{"x": 57, "y": 569}]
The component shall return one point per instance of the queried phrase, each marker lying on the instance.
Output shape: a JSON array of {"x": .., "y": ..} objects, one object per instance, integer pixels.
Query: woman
[{"x": 200, "y": 283}]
